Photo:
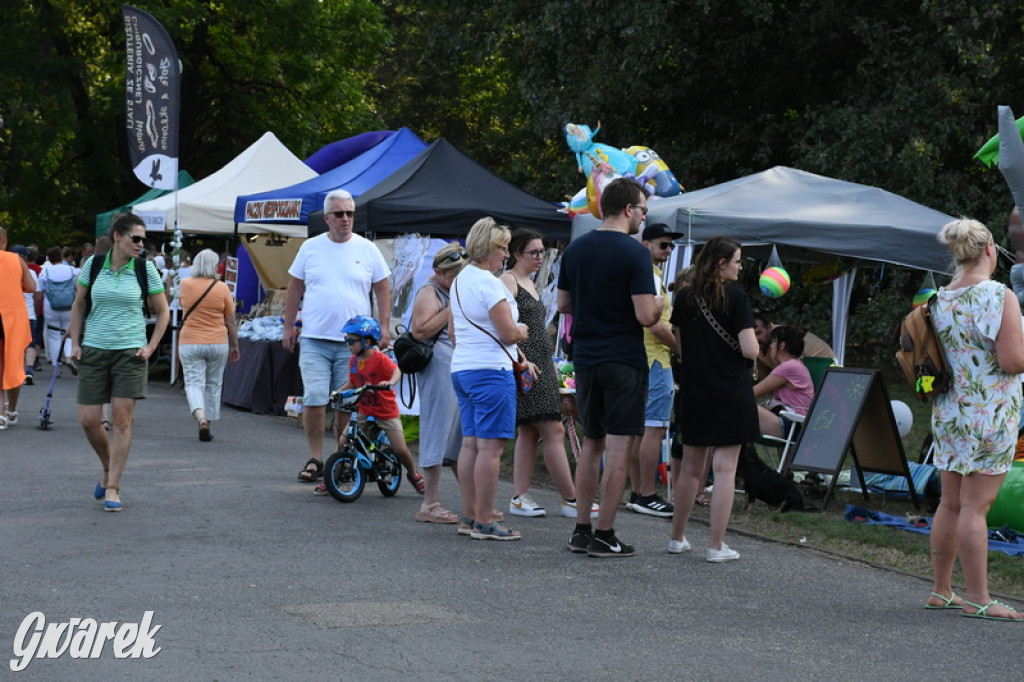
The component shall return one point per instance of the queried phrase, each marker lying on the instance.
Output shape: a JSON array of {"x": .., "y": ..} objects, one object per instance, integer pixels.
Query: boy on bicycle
[{"x": 370, "y": 366}]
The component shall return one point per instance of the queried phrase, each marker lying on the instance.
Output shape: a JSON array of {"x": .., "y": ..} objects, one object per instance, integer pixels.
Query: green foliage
[{"x": 299, "y": 68}]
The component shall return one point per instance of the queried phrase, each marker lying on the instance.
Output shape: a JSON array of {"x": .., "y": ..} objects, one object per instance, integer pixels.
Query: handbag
[
  {"x": 520, "y": 369},
  {"x": 411, "y": 354}
]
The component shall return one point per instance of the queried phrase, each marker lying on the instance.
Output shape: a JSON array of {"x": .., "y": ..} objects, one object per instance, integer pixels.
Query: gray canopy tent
[{"x": 808, "y": 218}]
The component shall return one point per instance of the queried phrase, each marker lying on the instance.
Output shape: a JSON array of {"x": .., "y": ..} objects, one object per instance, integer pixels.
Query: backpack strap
[{"x": 141, "y": 275}]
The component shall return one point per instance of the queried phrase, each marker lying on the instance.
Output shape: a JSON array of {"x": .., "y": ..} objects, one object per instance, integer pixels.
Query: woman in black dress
[
  {"x": 715, "y": 325},
  {"x": 538, "y": 413}
]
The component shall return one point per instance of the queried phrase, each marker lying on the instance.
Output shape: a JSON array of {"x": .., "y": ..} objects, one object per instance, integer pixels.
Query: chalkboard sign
[{"x": 851, "y": 412}]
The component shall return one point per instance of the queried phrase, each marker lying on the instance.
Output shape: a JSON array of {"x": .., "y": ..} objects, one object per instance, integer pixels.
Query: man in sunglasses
[
  {"x": 660, "y": 343},
  {"x": 333, "y": 275}
]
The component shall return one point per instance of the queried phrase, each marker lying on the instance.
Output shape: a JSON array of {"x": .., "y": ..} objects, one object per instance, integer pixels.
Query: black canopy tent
[{"x": 442, "y": 192}]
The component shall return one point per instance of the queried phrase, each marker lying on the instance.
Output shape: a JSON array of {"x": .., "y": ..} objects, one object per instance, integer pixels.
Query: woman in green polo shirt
[{"x": 113, "y": 357}]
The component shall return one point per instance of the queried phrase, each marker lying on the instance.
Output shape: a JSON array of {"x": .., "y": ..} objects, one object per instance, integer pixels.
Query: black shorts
[{"x": 611, "y": 398}]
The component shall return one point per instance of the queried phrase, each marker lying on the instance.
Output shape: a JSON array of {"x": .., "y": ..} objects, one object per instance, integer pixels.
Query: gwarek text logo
[{"x": 82, "y": 638}]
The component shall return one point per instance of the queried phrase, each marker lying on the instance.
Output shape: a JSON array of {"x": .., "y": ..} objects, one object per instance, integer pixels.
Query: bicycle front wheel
[{"x": 343, "y": 478}]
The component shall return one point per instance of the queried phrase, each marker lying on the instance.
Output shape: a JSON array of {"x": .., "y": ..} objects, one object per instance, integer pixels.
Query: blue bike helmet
[{"x": 365, "y": 327}]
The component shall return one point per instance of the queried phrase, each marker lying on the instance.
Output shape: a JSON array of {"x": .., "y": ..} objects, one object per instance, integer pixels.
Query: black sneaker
[
  {"x": 29, "y": 380},
  {"x": 653, "y": 505},
  {"x": 580, "y": 541},
  {"x": 609, "y": 546},
  {"x": 633, "y": 497}
]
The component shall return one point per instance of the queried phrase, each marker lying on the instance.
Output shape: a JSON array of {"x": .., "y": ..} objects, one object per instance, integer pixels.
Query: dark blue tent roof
[
  {"x": 292, "y": 205},
  {"x": 442, "y": 192}
]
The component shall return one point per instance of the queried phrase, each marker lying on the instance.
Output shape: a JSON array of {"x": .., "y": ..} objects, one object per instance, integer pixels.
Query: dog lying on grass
[{"x": 761, "y": 482}]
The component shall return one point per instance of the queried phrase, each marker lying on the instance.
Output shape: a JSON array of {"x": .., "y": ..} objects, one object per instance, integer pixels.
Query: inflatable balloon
[
  {"x": 922, "y": 296},
  {"x": 826, "y": 272},
  {"x": 581, "y": 140},
  {"x": 904, "y": 417},
  {"x": 598, "y": 179},
  {"x": 578, "y": 203},
  {"x": 774, "y": 282},
  {"x": 653, "y": 171}
]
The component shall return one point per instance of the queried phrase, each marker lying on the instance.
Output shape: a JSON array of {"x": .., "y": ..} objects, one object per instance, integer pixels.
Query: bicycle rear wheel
[{"x": 389, "y": 472}]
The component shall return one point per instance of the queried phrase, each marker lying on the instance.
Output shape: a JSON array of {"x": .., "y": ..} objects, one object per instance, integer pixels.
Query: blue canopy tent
[{"x": 286, "y": 210}]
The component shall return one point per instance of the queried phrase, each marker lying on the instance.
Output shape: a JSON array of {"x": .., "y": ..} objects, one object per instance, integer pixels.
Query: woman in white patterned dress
[{"x": 975, "y": 422}]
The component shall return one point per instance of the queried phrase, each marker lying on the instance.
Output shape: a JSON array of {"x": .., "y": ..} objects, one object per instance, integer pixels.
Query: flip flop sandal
[
  {"x": 982, "y": 611},
  {"x": 417, "y": 482},
  {"x": 435, "y": 513},
  {"x": 947, "y": 602},
  {"x": 308, "y": 475}
]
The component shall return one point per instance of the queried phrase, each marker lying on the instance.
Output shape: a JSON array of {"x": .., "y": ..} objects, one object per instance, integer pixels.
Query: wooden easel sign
[{"x": 851, "y": 412}]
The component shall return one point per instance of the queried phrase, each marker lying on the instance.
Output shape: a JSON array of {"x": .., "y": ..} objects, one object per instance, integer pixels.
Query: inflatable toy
[
  {"x": 578, "y": 203},
  {"x": 922, "y": 296},
  {"x": 774, "y": 282},
  {"x": 1008, "y": 508},
  {"x": 904, "y": 417},
  {"x": 600, "y": 176},
  {"x": 581, "y": 141},
  {"x": 654, "y": 172}
]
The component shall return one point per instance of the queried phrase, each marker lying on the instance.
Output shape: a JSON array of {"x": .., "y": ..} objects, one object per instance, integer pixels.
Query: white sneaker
[
  {"x": 680, "y": 546},
  {"x": 523, "y": 505},
  {"x": 717, "y": 556},
  {"x": 569, "y": 509}
]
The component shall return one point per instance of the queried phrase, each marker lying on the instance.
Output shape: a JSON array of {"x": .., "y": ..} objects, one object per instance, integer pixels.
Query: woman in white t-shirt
[
  {"x": 485, "y": 331},
  {"x": 789, "y": 384}
]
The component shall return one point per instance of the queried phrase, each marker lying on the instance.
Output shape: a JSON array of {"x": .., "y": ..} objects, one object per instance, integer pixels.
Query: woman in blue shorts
[{"x": 485, "y": 331}]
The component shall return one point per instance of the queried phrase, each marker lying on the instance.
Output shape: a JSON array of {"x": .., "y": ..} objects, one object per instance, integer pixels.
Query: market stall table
[{"x": 263, "y": 378}]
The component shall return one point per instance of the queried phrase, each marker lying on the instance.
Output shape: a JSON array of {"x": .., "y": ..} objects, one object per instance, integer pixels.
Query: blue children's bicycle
[{"x": 362, "y": 458}]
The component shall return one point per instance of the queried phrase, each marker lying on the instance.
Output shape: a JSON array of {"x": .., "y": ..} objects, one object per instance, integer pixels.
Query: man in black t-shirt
[{"x": 605, "y": 282}]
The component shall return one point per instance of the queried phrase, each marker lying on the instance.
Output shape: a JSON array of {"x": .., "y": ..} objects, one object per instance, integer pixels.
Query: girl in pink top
[{"x": 789, "y": 383}]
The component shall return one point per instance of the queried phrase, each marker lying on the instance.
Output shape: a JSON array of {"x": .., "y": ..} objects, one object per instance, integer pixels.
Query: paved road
[{"x": 250, "y": 576}]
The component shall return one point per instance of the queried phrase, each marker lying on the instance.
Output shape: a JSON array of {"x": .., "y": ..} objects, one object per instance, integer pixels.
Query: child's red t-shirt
[{"x": 375, "y": 369}]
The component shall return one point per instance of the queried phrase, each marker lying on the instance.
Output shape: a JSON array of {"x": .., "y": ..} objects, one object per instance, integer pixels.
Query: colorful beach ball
[
  {"x": 774, "y": 282},
  {"x": 922, "y": 296}
]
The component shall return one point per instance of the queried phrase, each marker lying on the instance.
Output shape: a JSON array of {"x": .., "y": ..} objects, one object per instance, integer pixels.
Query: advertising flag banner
[{"x": 152, "y": 85}]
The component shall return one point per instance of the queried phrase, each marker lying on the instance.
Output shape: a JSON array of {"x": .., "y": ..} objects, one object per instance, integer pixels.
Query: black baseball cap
[{"x": 658, "y": 230}]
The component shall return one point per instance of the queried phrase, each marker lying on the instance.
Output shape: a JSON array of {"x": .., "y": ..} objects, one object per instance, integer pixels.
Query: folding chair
[{"x": 787, "y": 442}]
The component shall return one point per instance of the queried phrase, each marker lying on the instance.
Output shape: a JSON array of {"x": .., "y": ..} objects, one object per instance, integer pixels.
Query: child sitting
[
  {"x": 370, "y": 366},
  {"x": 789, "y": 384}
]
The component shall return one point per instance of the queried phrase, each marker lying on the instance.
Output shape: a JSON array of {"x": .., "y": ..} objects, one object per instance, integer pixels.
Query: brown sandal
[{"x": 435, "y": 513}]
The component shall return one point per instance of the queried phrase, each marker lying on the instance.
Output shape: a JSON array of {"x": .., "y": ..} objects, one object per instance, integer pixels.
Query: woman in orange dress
[{"x": 15, "y": 333}]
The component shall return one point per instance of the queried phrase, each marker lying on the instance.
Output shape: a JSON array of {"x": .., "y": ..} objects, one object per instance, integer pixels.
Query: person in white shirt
[
  {"x": 55, "y": 278},
  {"x": 332, "y": 275}
]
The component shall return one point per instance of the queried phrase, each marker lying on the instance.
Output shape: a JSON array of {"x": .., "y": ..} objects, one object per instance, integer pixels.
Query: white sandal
[
  {"x": 3, "y": 423},
  {"x": 11, "y": 417}
]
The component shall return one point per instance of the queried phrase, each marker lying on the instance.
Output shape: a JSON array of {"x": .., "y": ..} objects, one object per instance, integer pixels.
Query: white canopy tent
[{"x": 208, "y": 206}]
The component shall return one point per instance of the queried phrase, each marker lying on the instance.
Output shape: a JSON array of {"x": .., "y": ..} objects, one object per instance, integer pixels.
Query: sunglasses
[
  {"x": 454, "y": 257},
  {"x": 351, "y": 341},
  {"x": 666, "y": 246},
  {"x": 642, "y": 209},
  {"x": 138, "y": 239},
  {"x": 341, "y": 214}
]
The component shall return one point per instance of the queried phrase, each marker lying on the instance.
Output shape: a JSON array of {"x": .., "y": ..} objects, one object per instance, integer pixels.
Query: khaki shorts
[
  {"x": 106, "y": 374},
  {"x": 382, "y": 424}
]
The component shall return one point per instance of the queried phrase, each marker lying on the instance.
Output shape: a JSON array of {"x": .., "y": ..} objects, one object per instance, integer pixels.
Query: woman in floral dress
[{"x": 975, "y": 422}]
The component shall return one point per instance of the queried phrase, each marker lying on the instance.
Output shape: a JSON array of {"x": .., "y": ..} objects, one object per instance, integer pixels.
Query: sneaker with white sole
[
  {"x": 569, "y": 509},
  {"x": 523, "y": 505},
  {"x": 632, "y": 501},
  {"x": 678, "y": 546},
  {"x": 609, "y": 546},
  {"x": 717, "y": 556},
  {"x": 653, "y": 505}
]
